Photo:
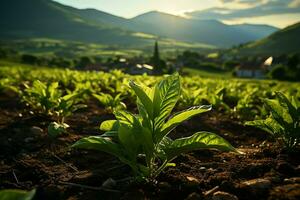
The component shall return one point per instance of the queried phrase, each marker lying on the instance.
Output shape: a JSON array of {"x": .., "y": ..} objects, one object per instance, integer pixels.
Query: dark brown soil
[{"x": 29, "y": 159}]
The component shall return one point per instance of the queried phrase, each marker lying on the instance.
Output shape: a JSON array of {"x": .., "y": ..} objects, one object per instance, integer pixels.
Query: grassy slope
[
  {"x": 283, "y": 41},
  {"x": 51, "y": 47},
  {"x": 46, "y": 19},
  {"x": 209, "y": 74}
]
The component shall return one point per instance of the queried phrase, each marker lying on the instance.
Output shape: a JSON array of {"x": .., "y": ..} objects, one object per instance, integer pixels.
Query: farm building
[{"x": 254, "y": 69}]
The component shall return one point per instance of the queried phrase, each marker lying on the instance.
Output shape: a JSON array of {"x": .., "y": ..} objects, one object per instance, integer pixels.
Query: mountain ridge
[
  {"x": 46, "y": 18},
  {"x": 284, "y": 41}
]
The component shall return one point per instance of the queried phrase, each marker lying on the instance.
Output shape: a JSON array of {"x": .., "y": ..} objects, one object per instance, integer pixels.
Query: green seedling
[
  {"x": 141, "y": 140},
  {"x": 109, "y": 102},
  {"x": 283, "y": 122}
]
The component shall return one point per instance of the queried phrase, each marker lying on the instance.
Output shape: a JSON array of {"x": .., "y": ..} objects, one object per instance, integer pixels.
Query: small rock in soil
[
  {"x": 192, "y": 181},
  {"x": 109, "y": 183},
  {"x": 193, "y": 196},
  {"x": 292, "y": 180},
  {"x": 256, "y": 186},
  {"x": 164, "y": 185},
  {"x": 223, "y": 196},
  {"x": 36, "y": 131},
  {"x": 28, "y": 139},
  {"x": 202, "y": 168},
  {"x": 286, "y": 192}
]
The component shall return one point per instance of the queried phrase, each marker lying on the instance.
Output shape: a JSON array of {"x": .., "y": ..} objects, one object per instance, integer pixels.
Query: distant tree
[
  {"x": 279, "y": 72},
  {"x": 3, "y": 53},
  {"x": 84, "y": 61},
  {"x": 230, "y": 64},
  {"x": 29, "y": 59},
  {"x": 293, "y": 61},
  {"x": 158, "y": 64},
  {"x": 60, "y": 62}
]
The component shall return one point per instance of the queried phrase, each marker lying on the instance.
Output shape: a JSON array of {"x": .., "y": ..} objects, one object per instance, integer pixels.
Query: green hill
[
  {"x": 284, "y": 41},
  {"x": 47, "y": 19},
  {"x": 210, "y": 32}
]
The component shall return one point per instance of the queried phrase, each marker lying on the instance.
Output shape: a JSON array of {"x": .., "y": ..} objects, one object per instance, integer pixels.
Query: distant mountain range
[
  {"x": 48, "y": 19},
  {"x": 282, "y": 42}
]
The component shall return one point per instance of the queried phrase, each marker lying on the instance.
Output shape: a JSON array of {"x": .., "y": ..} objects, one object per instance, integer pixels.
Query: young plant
[
  {"x": 141, "y": 140},
  {"x": 109, "y": 102},
  {"x": 49, "y": 100},
  {"x": 283, "y": 122}
]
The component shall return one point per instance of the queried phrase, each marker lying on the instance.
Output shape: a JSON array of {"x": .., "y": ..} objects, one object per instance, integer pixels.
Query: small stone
[
  {"x": 9, "y": 139},
  {"x": 286, "y": 192},
  {"x": 256, "y": 186},
  {"x": 28, "y": 139},
  {"x": 223, "y": 196},
  {"x": 292, "y": 180},
  {"x": 202, "y": 168},
  {"x": 193, "y": 196},
  {"x": 164, "y": 185},
  {"x": 109, "y": 183},
  {"x": 36, "y": 131},
  {"x": 211, "y": 170},
  {"x": 192, "y": 179}
]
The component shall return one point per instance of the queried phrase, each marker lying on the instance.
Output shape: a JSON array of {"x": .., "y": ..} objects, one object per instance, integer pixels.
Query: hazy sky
[{"x": 279, "y": 13}]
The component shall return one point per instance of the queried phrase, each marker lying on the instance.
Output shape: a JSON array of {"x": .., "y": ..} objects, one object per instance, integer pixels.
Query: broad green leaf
[
  {"x": 163, "y": 144},
  {"x": 112, "y": 134},
  {"x": 126, "y": 117},
  {"x": 128, "y": 139},
  {"x": 278, "y": 113},
  {"x": 200, "y": 140},
  {"x": 129, "y": 131},
  {"x": 70, "y": 96},
  {"x": 167, "y": 93},
  {"x": 109, "y": 125},
  {"x": 269, "y": 125},
  {"x": 106, "y": 145},
  {"x": 285, "y": 103},
  {"x": 143, "y": 97},
  {"x": 101, "y": 144},
  {"x": 181, "y": 117},
  {"x": 145, "y": 137},
  {"x": 16, "y": 194}
]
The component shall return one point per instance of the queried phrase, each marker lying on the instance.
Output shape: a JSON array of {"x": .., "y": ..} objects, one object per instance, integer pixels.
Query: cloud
[
  {"x": 248, "y": 3},
  {"x": 294, "y": 4},
  {"x": 254, "y": 8}
]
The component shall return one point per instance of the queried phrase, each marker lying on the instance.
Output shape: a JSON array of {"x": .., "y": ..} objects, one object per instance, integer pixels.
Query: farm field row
[{"x": 43, "y": 112}]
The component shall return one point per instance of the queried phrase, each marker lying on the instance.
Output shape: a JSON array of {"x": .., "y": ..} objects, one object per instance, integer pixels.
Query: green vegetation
[
  {"x": 285, "y": 41},
  {"x": 16, "y": 195},
  {"x": 109, "y": 102},
  {"x": 141, "y": 141},
  {"x": 283, "y": 122},
  {"x": 47, "y": 99},
  {"x": 289, "y": 71},
  {"x": 240, "y": 98}
]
